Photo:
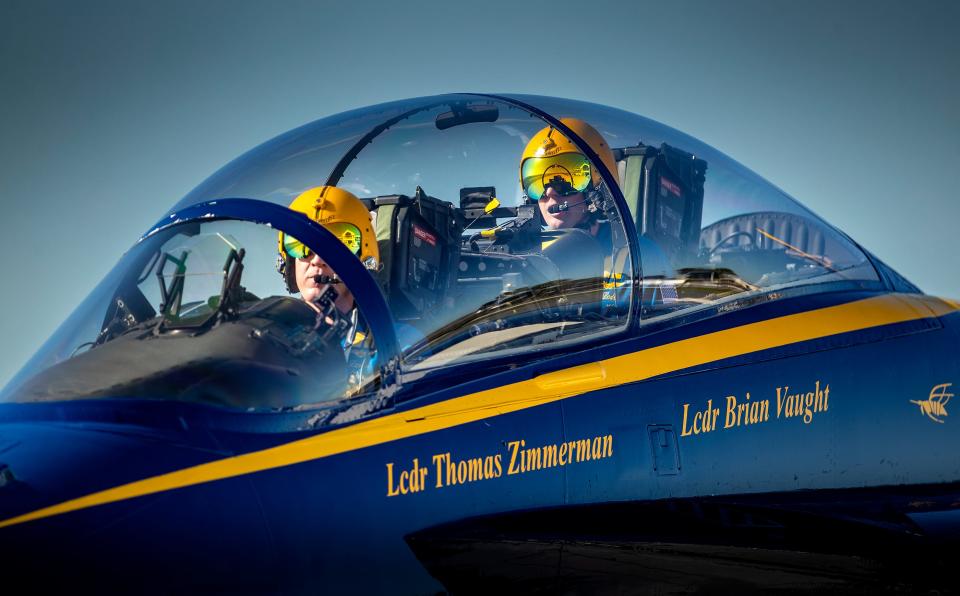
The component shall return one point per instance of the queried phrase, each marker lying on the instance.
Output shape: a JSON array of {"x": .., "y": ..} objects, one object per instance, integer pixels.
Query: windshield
[{"x": 198, "y": 312}]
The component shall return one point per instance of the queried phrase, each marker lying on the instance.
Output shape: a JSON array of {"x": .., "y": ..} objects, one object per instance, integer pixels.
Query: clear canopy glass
[{"x": 470, "y": 269}]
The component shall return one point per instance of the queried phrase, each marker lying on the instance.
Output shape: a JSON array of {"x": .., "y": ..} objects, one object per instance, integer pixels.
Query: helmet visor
[
  {"x": 293, "y": 248},
  {"x": 347, "y": 233},
  {"x": 568, "y": 173}
]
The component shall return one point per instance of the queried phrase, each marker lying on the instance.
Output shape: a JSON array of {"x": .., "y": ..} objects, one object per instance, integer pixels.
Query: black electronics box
[
  {"x": 419, "y": 241},
  {"x": 664, "y": 189}
]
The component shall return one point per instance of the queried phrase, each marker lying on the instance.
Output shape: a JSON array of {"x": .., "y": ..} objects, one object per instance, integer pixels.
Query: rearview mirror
[{"x": 465, "y": 114}]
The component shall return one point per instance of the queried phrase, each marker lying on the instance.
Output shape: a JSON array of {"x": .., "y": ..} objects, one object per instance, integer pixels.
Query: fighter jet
[{"x": 474, "y": 343}]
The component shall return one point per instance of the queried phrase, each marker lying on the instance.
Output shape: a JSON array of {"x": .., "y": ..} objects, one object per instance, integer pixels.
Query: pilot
[
  {"x": 556, "y": 174},
  {"x": 346, "y": 217},
  {"x": 569, "y": 191},
  {"x": 304, "y": 271}
]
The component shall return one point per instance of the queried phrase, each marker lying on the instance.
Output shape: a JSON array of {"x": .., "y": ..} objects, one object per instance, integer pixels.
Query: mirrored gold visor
[
  {"x": 568, "y": 173},
  {"x": 345, "y": 232}
]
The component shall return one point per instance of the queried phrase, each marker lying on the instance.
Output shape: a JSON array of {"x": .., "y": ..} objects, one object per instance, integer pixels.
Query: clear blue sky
[{"x": 111, "y": 111}]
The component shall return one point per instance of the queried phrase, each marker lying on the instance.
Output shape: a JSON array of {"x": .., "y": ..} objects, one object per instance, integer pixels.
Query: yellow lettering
[
  {"x": 683, "y": 425},
  {"x": 416, "y": 477},
  {"x": 730, "y": 419},
  {"x": 533, "y": 459},
  {"x": 550, "y": 456},
  {"x": 390, "y": 491},
  {"x": 422, "y": 484},
  {"x": 451, "y": 472},
  {"x": 583, "y": 450},
  {"x": 781, "y": 397},
  {"x": 475, "y": 471},
  {"x": 497, "y": 462},
  {"x": 563, "y": 454},
  {"x": 807, "y": 414},
  {"x": 514, "y": 447},
  {"x": 438, "y": 461}
]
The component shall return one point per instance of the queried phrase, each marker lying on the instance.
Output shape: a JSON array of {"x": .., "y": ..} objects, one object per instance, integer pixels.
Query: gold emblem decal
[{"x": 935, "y": 406}]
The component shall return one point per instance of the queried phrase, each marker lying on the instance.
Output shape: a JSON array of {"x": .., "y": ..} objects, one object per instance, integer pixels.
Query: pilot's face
[
  {"x": 307, "y": 269},
  {"x": 565, "y": 219}
]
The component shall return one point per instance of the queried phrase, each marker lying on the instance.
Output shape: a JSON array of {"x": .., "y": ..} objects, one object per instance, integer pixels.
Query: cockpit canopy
[{"x": 469, "y": 272}]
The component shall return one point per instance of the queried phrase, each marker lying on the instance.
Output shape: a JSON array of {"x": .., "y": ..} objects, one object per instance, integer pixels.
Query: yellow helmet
[
  {"x": 342, "y": 214},
  {"x": 551, "y": 155}
]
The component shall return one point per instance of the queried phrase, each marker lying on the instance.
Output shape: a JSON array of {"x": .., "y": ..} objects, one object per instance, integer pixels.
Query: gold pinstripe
[{"x": 862, "y": 314}]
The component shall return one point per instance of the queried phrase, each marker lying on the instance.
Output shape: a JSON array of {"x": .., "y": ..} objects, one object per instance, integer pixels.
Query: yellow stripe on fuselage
[{"x": 882, "y": 310}]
